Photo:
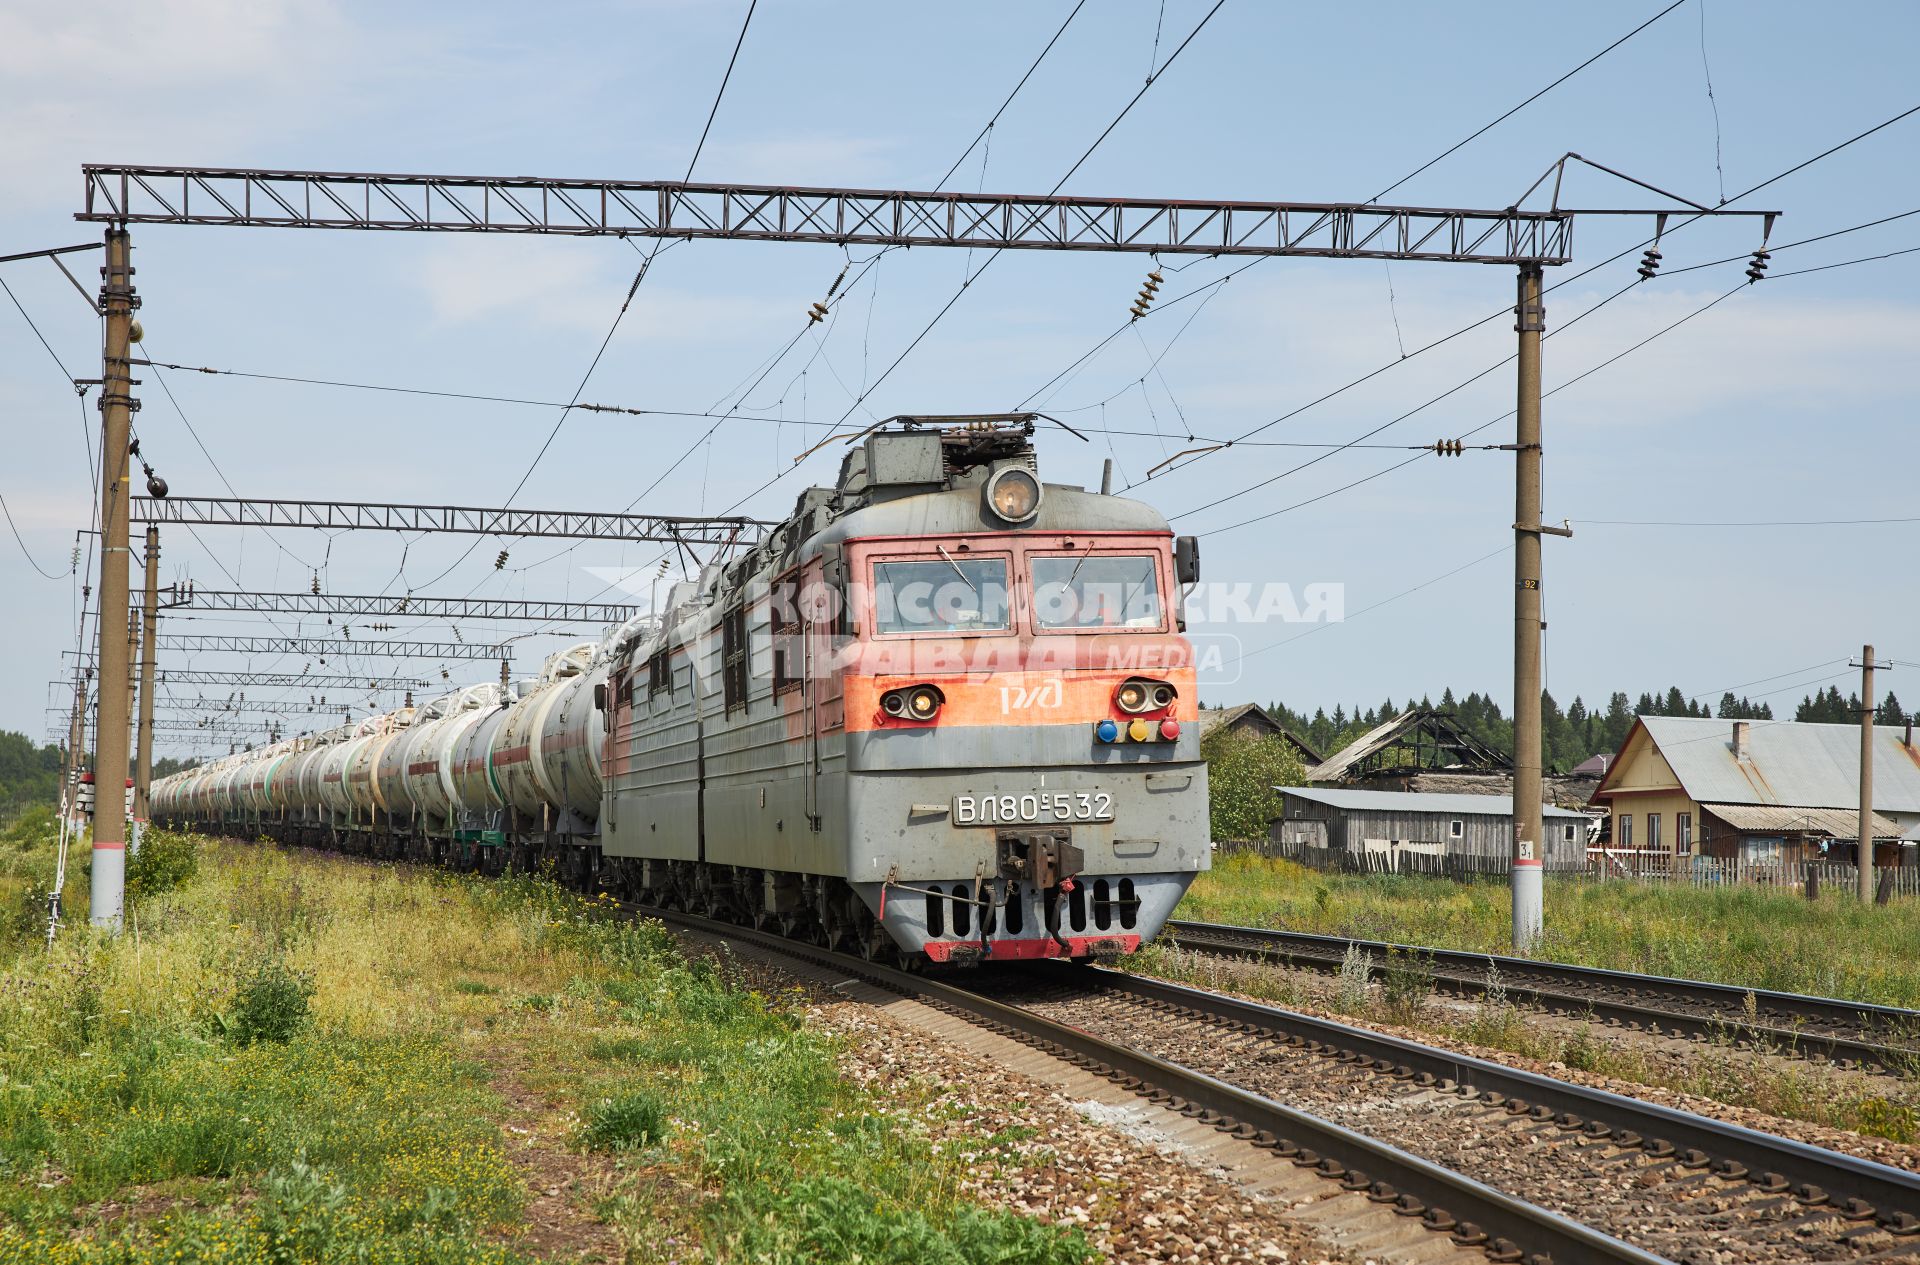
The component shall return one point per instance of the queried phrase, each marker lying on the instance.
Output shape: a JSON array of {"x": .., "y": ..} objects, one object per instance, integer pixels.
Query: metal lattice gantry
[
  {"x": 241, "y": 679},
  {"x": 122, "y": 194},
  {"x": 469, "y": 520},
  {"x": 318, "y": 647},
  {"x": 286, "y": 680},
  {"x": 388, "y": 606}
]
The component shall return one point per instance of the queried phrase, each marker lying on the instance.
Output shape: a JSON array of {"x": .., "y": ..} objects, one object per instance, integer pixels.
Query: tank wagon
[{"x": 943, "y": 711}]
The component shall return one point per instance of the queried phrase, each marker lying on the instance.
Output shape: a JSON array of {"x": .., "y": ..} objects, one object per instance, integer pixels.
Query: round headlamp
[
  {"x": 1132, "y": 696},
  {"x": 1013, "y": 495}
]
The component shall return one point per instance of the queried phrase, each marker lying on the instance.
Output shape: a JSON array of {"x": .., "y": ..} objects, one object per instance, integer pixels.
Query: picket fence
[{"x": 1601, "y": 865}]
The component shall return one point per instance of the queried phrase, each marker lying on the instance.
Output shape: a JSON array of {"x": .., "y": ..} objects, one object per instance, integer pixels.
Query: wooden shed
[{"x": 1359, "y": 822}]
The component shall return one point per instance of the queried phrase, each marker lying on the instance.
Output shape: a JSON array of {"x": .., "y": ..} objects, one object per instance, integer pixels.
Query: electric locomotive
[{"x": 943, "y": 712}]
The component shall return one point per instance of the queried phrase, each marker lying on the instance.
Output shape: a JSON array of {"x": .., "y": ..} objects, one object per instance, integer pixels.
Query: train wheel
[{"x": 877, "y": 946}]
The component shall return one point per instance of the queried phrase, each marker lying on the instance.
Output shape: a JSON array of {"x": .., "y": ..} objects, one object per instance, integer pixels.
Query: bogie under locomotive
[{"x": 943, "y": 712}]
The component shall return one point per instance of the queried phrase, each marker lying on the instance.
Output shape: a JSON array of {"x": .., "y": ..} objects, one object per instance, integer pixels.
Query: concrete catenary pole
[
  {"x": 1528, "y": 836},
  {"x": 1866, "y": 774},
  {"x": 117, "y": 303},
  {"x": 143, "y": 756}
]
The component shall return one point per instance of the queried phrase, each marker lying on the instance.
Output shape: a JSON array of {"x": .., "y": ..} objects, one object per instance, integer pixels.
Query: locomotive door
[{"x": 810, "y": 716}]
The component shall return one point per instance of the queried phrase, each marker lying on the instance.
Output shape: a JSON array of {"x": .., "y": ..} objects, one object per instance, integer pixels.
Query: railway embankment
[{"x": 292, "y": 1056}]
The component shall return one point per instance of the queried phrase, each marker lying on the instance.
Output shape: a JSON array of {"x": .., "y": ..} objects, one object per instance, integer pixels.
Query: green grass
[
  {"x": 1746, "y": 935},
  {"x": 298, "y": 1059}
]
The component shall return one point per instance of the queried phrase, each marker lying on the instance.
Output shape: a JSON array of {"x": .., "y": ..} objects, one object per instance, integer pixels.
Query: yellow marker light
[{"x": 1138, "y": 730}]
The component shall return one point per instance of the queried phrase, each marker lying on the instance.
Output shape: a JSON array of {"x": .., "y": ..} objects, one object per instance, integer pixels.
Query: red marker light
[{"x": 1169, "y": 729}]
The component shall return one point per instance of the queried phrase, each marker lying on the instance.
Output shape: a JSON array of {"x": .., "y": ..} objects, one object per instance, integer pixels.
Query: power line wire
[
  {"x": 1856, "y": 138},
  {"x": 1000, "y": 250},
  {"x": 870, "y": 263},
  {"x": 1424, "y": 584},
  {"x": 1458, "y": 145},
  {"x": 1774, "y": 522},
  {"x": 646, "y": 264},
  {"x": 1482, "y": 131},
  {"x": 21, "y": 541},
  {"x": 1376, "y": 430}
]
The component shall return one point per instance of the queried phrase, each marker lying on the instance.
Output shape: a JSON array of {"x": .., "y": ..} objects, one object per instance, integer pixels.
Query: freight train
[{"x": 944, "y": 712}]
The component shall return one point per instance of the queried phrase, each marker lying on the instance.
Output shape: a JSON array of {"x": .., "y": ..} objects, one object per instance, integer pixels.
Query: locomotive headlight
[
  {"x": 1013, "y": 495},
  {"x": 1139, "y": 696},
  {"x": 916, "y": 702}
]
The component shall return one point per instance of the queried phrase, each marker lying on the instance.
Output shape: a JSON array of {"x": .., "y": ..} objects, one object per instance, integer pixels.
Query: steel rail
[
  {"x": 1464, "y": 972},
  {"x": 1859, "y": 1189},
  {"x": 1473, "y": 1213}
]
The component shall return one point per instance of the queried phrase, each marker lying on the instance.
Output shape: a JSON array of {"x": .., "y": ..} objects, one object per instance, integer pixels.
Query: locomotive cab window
[
  {"x": 1097, "y": 591},
  {"x": 954, "y": 593}
]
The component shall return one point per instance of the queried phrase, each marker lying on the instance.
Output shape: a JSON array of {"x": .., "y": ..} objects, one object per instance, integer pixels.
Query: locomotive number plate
[{"x": 1035, "y": 808}]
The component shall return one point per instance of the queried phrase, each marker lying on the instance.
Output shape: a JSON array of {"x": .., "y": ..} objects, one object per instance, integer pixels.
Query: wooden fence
[
  {"x": 1902, "y": 880},
  {"x": 1604, "y": 865}
]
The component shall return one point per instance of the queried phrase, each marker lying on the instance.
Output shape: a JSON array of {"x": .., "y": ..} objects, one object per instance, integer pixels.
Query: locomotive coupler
[{"x": 1043, "y": 858}]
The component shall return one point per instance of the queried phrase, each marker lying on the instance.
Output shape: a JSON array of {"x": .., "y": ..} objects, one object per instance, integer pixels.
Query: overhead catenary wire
[
  {"x": 1449, "y": 151},
  {"x": 86, "y": 429},
  {"x": 1690, "y": 219},
  {"x": 998, "y": 251},
  {"x": 865, "y": 268},
  {"x": 646, "y": 265},
  {"x": 1386, "y": 601},
  {"x": 1797, "y": 167},
  {"x": 26, "y": 552}
]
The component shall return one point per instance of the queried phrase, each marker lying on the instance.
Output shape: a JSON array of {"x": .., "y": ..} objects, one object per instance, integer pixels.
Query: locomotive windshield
[
  {"x": 953, "y": 594},
  {"x": 1088, "y": 591}
]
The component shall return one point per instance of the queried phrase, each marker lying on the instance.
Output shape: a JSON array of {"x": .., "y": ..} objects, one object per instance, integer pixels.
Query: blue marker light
[{"x": 1108, "y": 731}]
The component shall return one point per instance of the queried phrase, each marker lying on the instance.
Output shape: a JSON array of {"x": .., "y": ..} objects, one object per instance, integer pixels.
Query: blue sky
[{"x": 1790, "y": 401}]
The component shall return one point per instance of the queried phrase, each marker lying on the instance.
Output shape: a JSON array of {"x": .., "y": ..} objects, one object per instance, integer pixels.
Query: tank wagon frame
[{"x": 942, "y": 712}]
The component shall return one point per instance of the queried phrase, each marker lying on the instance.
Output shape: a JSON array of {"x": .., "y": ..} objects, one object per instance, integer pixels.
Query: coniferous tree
[{"x": 1619, "y": 720}]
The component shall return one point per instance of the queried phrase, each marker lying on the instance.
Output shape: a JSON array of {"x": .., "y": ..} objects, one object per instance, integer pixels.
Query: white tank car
[
  {"x": 475, "y": 792},
  {"x": 390, "y": 765},
  {"x": 531, "y": 743},
  {"x": 430, "y": 757},
  {"x": 333, "y": 771}
]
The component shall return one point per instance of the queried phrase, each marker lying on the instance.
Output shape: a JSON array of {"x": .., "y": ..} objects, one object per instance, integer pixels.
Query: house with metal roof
[
  {"x": 1360, "y": 822},
  {"x": 1757, "y": 791}
]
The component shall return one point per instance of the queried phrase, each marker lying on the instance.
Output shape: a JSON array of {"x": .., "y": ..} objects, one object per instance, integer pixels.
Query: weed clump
[
  {"x": 626, "y": 1123},
  {"x": 1356, "y": 969},
  {"x": 1407, "y": 982},
  {"x": 823, "y": 1219},
  {"x": 166, "y": 860},
  {"x": 272, "y": 1005}
]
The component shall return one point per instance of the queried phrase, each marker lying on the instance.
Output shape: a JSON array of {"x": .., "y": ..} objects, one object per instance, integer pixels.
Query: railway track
[
  {"x": 1855, "y": 1034},
  {"x": 1524, "y": 1167},
  {"x": 1679, "y": 1186}
]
